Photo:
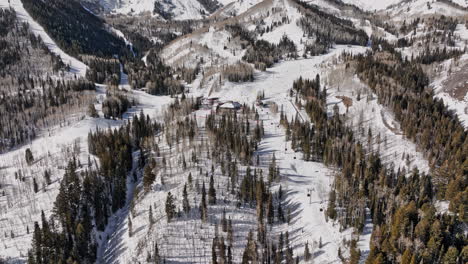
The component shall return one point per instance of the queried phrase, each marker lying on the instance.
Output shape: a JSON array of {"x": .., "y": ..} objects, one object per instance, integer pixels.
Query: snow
[
  {"x": 237, "y": 7},
  {"x": 325, "y": 5},
  {"x": 181, "y": 9},
  {"x": 420, "y": 8},
  {"x": 215, "y": 46},
  {"x": 292, "y": 30},
  {"x": 442, "y": 207},
  {"x": 463, "y": 3},
  {"x": 382, "y": 123},
  {"x": 76, "y": 67},
  {"x": 459, "y": 106},
  {"x": 127, "y": 42},
  {"x": 298, "y": 177},
  {"x": 372, "y": 5}
]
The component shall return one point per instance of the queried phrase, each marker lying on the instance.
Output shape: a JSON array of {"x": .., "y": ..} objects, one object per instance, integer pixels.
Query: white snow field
[
  {"x": 447, "y": 69},
  {"x": 417, "y": 6},
  {"x": 372, "y": 5},
  {"x": 76, "y": 67},
  {"x": 422, "y": 8},
  {"x": 181, "y": 9}
]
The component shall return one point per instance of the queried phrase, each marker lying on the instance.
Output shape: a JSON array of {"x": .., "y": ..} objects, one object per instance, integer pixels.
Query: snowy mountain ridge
[{"x": 176, "y": 9}]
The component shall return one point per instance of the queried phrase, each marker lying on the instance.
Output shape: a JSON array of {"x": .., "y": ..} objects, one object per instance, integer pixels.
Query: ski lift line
[{"x": 297, "y": 111}]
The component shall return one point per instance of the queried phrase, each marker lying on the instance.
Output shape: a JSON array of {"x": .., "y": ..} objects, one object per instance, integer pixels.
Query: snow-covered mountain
[
  {"x": 376, "y": 5},
  {"x": 174, "y": 9},
  {"x": 372, "y": 5}
]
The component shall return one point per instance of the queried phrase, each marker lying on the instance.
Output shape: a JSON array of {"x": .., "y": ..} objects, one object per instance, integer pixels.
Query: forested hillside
[
  {"x": 31, "y": 98},
  {"x": 74, "y": 29}
]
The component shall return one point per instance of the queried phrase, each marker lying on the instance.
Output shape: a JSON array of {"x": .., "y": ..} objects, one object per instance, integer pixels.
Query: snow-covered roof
[{"x": 230, "y": 105}]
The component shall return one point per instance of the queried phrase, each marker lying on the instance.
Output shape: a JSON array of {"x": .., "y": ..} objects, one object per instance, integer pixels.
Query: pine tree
[
  {"x": 214, "y": 258},
  {"x": 148, "y": 176},
  {"x": 29, "y": 156},
  {"x": 405, "y": 259},
  {"x": 156, "y": 257},
  {"x": 130, "y": 227},
  {"x": 203, "y": 205},
  {"x": 331, "y": 211},
  {"x": 222, "y": 251},
  {"x": 307, "y": 255},
  {"x": 229, "y": 255},
  {"x": 251, "y": 252},
  {"x": 230, "y": 232},
  {"x": 189, "y": 179},
  {"x": 92, "y": 111},
  {"x": 150, "y": 216},
  {"x": 47, "y": 177},
  {"x": 259, "y": 198},
  {"x": 280, "y": 213},
  {"x": 451, "y": 256},
  {"x": 170, "y": 207},
  {"x": 270, "y": 210},
  {"x": 37, "y": 243},
  {"x": 224, "y": 222},
  {"x": 356, "y": 253},
  {"x": 185, "y": 201},
  {"x": 184, "y": 163},
  {"x": 212, "y": 192},
  {"x": 279, "y": 256},
  {"x": 35, "y": 186}
]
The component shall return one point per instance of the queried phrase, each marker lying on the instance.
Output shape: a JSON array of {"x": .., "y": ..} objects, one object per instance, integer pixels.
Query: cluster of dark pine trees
[
  {"x": 237, "y": 136},
  {"x": 273, "y": 25},
  {"x": 155, "y": 77},
  {"x": 442, "y": 30},
  {"x": 429, "y": 56},
  {"x": 102, "y": 70},
  {"x": 87, "y": 197},
  {"x": 37, "y": 104},
  {"x": 261, "y": 53},
  {"x": 315, "y": 141},
  {"x": 210, "y": 5},
  {"x": 328, "y": 29},
  {"x": 74, "y": 29},
  {"x": 240, "y": 72},
  {"x": 115, "y": 105},
  {"x": 68, "y": 235}
]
